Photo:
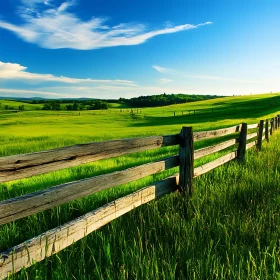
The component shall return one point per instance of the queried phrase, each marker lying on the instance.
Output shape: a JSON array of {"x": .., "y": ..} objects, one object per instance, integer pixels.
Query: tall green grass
[{"x": 229, "y": 230}]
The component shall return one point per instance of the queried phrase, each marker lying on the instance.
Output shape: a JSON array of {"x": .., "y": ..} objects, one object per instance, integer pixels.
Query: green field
[
  {"x": 229, "y": 230},
  {"x": 34, "y": 130}
]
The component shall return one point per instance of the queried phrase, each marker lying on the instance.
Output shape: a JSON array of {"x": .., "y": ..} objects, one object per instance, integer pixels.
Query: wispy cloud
[
  {"x": 93, "y": 91},
  {"x": 54, "y": 27},
  {"x": 31, "y": 93},
  {"x": 179, "y": 74},
  {"x": 161, "y": 69},
  {"x": 32, "y": 3},
  {"x": 14, "y": 71}
]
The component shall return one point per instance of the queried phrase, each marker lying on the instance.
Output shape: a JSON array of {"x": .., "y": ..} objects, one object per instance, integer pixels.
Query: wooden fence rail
[
  {"x": 26, "y": 165},
  {"x": 22, "y": 206},
  {"x": 55, "y": 240}
]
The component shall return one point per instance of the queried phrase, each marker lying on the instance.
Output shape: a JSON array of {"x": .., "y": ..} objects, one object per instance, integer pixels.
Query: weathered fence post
[
  {"x": 266, "y": 131},
  {"x": 186, "y": 156},
  {"x": 174, "y": 114},
  {"x": 271, "y": 126},
  {"x": 242, "y": 143},
  {"x": 278, "y": 117},
  {"x": 260, "y": 135}
]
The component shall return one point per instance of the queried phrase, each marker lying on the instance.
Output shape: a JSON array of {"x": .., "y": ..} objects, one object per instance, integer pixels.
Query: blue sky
[{"x": 126, "y": 48}]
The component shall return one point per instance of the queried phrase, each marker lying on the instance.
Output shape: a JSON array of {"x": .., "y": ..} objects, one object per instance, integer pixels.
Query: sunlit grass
[
  {"x": 37, "y": 130},
  {"x": 229, "y": 230}
]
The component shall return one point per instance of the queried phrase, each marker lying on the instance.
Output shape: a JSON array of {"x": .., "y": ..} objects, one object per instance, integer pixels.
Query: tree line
[
  {"x": 135, "y": 102},
  {"x": 73, "y": 105},
  {"x": 164, "y": 99}
]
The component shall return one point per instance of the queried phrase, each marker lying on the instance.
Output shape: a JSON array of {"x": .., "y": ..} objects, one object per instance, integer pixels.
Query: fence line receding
[{"x": 53, "y": 241}]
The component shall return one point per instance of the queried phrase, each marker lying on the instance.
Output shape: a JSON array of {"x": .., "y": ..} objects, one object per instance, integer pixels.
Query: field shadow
[{"x": 229, "y": 111}]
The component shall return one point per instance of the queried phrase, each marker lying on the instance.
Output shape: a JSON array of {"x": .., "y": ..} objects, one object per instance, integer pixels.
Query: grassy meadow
[
  {"x": 35, "y": 130},
  {"x": 229, "y": 230}
]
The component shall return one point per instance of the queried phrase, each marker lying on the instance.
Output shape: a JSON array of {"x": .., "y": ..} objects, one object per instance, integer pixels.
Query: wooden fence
[{"x": 55, "y": 240}]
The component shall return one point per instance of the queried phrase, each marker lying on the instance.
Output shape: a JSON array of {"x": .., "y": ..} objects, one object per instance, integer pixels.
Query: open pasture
[
  {"x": 35, "y": 130},
  {"x": 208, "y": 237}
]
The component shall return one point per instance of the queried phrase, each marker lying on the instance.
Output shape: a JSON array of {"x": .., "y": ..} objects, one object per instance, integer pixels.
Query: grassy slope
[
  {"x": 14, "y": 104},
  {"x": 39, "y": 130},
  {"x": 229, "y": 230},
  {"x": 98, "y": 255}
]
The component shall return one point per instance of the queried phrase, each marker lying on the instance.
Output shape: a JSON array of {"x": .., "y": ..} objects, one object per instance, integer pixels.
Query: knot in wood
[{"x": 73, "y": 157}]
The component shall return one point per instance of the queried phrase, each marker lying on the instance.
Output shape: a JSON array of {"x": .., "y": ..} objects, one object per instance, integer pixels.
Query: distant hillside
[
  {"x": 164, "y": 99},
  {"x": 83, "y": 103},
  {"x": 21, "y": 98}
]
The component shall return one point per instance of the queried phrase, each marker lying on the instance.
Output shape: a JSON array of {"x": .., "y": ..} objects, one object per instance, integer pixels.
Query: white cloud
[
  {"x": 161, "y": 69},
  {"x": 34, "y": 3},
  {"x": 14, "y": 71},
  {"x": 98, "y": 91},
  {"x": 31, "y": 93},
  {"x": 54, "y": 27},
  {"x": 178, "y": 73},
  {"x": 116, "y": 91}
]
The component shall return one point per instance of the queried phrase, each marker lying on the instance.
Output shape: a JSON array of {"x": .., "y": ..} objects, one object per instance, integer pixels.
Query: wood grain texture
[
  {"x": 55, "y": 240},
  {"x": 26, "y": 165},
  {"x": 23, "y": 206},
  {"x": 213, "y": 149},
  {"x": 271, "y": 127},
  {"x": 251, "y": 126},
  {"x": 186, "y": 156},
  {"x": 213, "y": 164},
  {"x": 252, "y": 135},
  {"x": 241, "y": 150},
  {"x": 260, "y": 135},
  {"x": 266, "y": 130},
  {"x": 215, "y": 133},
  {"x": 251, "y": 144}
]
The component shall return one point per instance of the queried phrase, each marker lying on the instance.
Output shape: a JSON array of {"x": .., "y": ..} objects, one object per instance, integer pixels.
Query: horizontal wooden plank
[
  {"x": 251, "y": 144},
  {"x": 213, "y": 164},
  {"x": 201, "y": 135},
  {"x": 251, "y": 126},
  {"x": 213, "y": 149},
  {"x": 26, "y": 165},
  {"x": 55, "y": 240},
  {"x": 252, "y": 135},
  {"x": 23, "y": 206}
]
